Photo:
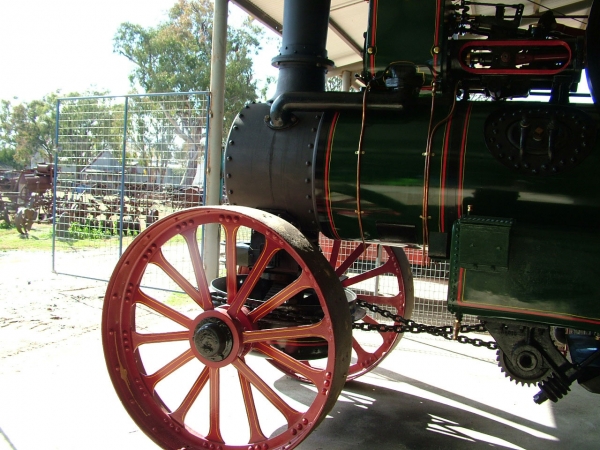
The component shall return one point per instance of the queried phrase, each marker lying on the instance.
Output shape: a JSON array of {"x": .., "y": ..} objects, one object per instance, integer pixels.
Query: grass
[
  {"x": 40, "y": 238},
  {"x": 176, "y": 299}
]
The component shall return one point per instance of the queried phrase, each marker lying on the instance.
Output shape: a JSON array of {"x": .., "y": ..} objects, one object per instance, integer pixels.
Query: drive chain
[{"x": 410, "y": 326}]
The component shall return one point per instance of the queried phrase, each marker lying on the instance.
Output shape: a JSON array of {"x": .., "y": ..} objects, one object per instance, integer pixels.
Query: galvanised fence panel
[{"x": 123, "y": 163}]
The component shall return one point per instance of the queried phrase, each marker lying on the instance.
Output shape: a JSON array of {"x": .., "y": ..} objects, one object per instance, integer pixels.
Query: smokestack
[{"x": 302, "y": 60}]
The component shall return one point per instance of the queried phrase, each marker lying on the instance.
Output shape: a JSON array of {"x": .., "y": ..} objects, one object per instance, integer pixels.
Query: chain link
[{"x": 410, "y": 326}]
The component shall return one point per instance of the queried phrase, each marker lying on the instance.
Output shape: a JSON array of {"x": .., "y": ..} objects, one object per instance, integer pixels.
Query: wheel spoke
[
  {"x": 179, "y": 414},
  {"x": 388, "y": 262},
  {"x": 153, "y": 338},
  {"x": 214, "y": 432},
  {"x": 204, "y": 300},
  {"x": 163, "y": 309},
  {"x": 335, "y": 251},
  {"x": 258, "y": 268},
  {"x": 195, "y": 412},
  {"x": 158, "y": 259},
  {"x": 288, "y": 362},
  {"x": 315, "y": 330},
  {"x": 168, "y": 369},
  {"x": 302, "y": 283},
  {"x": 290, "y": 414},
  {"x": 361, "y": 353},
  {"x": 351, "y": 258},
  {"x": 256, "y": 433},
  {"x": 231, "y": 261},
  {"x": 364, "y": 276},
  {"x": 394, "y": 301}
]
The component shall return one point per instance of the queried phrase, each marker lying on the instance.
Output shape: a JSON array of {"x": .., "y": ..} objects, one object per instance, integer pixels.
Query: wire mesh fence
[
  {"x": 125, "y": 162},
  {"x": 122, "y": 163},
  {"x": 430, "y": 280}
]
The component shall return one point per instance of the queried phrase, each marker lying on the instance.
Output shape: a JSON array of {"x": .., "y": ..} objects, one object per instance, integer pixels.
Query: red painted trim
[
  {"x": 373, "y": 35},
  {"x": 528, "y": 312},
  {"x": 526, "y": 44},
  {"x": 463, "y": 152},
  {"x": 461, "y": 276},
  {"x": 443, "y": 180},
  {"x": 327, "y": 173},
  {"x": 436, "y": 36}
]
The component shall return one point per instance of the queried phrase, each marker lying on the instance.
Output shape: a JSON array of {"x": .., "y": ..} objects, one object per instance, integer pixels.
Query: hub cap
[{"x": 213, "y": 339}]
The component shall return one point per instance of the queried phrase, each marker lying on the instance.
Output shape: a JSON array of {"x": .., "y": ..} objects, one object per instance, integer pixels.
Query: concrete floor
[{"x": 428, "y": 394}]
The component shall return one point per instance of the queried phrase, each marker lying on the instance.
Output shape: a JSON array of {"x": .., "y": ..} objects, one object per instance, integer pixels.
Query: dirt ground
[
  {"x": 39, "y": 308},
  {"x": 55, "y": 393}
]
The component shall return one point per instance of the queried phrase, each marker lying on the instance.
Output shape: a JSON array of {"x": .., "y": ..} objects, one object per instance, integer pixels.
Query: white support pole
[
  {"x": 346, "y": 80},
  {"x": 212, "y": 188}
]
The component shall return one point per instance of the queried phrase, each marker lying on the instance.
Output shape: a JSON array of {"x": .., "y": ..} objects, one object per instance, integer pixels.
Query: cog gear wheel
[{"x": 525, "y": 365}]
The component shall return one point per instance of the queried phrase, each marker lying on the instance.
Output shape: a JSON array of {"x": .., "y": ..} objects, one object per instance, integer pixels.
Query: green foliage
[
  {"x": 7, "y": 157},
  {"x": 333, "y": 84},
  {"x": 175, "y": 56},
  {"x": 90, "y": 231},
  {"x": 89, "y": 126},
  {"x": 39, "y": 238},
  {"x": 27, "y": 129}
]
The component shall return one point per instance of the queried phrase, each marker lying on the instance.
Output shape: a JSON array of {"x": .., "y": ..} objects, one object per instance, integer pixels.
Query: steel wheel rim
[{"x": 137, "y": 387}]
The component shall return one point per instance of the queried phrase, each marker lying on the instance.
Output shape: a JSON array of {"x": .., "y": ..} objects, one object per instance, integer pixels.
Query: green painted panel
[
  {"x": 551, "y": 278},
  {"x": 397, "y": 22}
]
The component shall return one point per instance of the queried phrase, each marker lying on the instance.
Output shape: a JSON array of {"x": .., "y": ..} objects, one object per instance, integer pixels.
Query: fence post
[
  {"x": 54, "y": 183},
  {"x": 215, "y": 134},
  {"x": 124, "y": 156}
]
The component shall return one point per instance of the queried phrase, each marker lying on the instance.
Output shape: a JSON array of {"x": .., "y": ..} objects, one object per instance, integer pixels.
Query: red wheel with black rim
[
  {"x": 378, "y": 275},
  {"x": 192, "y": 370}
]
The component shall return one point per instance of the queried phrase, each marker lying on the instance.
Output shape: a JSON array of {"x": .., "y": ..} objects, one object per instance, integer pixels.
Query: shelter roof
[{"x": 348, "y": 21}]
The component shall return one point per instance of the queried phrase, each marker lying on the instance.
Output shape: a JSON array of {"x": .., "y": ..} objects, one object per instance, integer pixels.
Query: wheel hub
[{"x": 213, "y": 339}]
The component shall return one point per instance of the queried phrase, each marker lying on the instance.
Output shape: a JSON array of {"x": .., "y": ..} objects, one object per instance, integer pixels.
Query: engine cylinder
[{"x": 310, "y": 170}]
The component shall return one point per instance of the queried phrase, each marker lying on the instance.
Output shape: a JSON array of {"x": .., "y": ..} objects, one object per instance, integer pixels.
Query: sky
[{"x": 47, "y": 45}]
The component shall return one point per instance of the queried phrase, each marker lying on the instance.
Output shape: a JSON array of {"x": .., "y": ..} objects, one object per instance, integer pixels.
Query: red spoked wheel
[
  {"x": 378, "y": 275},
  {"x": 193, "y": 372}
]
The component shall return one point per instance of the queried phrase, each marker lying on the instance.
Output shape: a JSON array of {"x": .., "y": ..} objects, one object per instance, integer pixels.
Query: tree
[
  {"x": 27, "y": 129},
  {"x": 175, "y": 57},
  {"x": 89, "y": 126}
]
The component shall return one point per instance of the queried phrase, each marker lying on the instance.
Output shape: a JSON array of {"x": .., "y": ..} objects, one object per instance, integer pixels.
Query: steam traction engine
[{"x": 506, "y": 191}]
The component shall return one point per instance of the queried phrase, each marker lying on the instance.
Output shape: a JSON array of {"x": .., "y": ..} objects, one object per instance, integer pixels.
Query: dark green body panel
[
  {"x": 392, "y": 174},
  {"x": 551, "y": 274},
  {"x": 547, "y": 270},
  {"x": 391, "y": 169},
  {"x": 395, "y": 24}
]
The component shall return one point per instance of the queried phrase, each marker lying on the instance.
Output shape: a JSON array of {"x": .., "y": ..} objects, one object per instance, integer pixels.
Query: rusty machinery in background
[{"x": 27, "y": 196}]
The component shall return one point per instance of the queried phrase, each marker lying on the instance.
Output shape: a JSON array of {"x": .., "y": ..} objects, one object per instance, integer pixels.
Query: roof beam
[
  {"x": 254, "y": 11},
  {"x": 345, "y": 37}
]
